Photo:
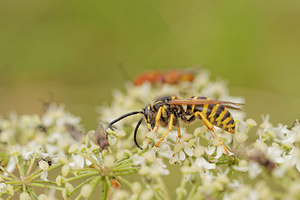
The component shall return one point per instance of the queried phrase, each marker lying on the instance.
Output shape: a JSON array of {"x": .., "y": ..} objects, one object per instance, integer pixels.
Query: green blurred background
[{"x": 77, "y": 52}]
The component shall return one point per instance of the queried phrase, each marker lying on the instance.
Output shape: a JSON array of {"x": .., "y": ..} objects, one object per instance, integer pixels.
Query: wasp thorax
[{"x": 149, "y": 115}]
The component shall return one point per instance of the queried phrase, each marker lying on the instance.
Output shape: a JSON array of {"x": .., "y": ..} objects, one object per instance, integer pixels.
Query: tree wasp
[{"x": 168, "y": 110}]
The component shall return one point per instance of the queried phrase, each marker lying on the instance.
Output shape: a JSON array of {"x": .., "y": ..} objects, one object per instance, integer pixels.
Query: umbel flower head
[
  {"x": 205, "y": 167},
  {"x": 106, "y": 164}
]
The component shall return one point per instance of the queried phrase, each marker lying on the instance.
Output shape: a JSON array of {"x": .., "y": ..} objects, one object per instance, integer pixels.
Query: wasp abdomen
[{"x": 216, "y": 114}]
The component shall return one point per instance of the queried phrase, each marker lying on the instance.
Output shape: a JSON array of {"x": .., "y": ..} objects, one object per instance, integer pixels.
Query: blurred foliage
[{"x": 76, "y": 52}]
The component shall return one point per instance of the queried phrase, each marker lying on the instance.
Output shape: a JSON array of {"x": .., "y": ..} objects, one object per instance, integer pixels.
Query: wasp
[{"x": 168, "y": 111}]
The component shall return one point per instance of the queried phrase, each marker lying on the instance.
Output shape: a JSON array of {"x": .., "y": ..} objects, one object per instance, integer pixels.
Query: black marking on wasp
[{"x": 168, "y": 110}]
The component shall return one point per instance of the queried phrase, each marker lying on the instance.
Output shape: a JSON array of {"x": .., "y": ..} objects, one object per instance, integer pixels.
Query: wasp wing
[{"x": 227, "y": 104}]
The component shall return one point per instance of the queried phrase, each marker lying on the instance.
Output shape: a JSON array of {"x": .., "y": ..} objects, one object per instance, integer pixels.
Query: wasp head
[{"x": 149, "y": 115}]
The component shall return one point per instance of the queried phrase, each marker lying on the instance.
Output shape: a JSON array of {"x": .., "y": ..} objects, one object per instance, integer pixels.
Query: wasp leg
[
  {"x": 170, "y": 128},
  {"x": 179, "y": 135},
  {"x": 211, "y": 127},
  {"x": 157, "y": 118}
]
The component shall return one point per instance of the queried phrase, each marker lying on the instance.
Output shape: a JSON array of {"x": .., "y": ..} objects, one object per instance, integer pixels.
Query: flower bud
[
  {"x": 147, "y": 195},
  {"x": 251, "y": 122},
  {"x": 43, "y": 165},
  {"x": 109, "y": 161},
  {"x": 69, "y": 187},
  {"x": 86, "y": 190},
  {"x": 59, "y": 180},
  {"x": 73, "y": 148},
  {"x": 43, "y": 197},
  {"x": 65, "y": 170},
  {"x": 24, "y": 196},
  {"x": 136, "y": 188}
]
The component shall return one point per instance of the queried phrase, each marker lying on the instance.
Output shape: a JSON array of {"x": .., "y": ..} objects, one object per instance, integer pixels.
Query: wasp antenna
[
  {"x": 135, "y": 133},
  {"x": 122, "y": 117}
]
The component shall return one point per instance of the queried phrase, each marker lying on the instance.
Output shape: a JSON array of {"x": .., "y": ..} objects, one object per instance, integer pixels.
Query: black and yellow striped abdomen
[{"x": 216, "y": 114}]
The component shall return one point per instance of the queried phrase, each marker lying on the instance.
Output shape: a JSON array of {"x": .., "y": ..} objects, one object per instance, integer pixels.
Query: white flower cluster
[
  {"x": 33, "y": 145},
  {"x": 264, "y": 162},
  {"x": 255, "y": 170}
]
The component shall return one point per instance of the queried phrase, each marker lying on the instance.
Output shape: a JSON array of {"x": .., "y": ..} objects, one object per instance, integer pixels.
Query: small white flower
[
  {"x": 138, "y": 160},
  {"x": 275, "y": 153},
  {"x": 254, "y": 170},
  {"x": 202, "y": 163},
  {"x": 78, "y": 161},
  {"x": 266, "y": 124},
  {"x": 147, "y": 195},
  {"x": 11, "y": 164},
  {"x": 220, "y": 152},
  {"x": 284, "y": 136},
  {"x": 144, "y": 170},
  {"x": 199, "y": 151},
  {"x": 150, "y": 156},
  {"x": 251, "y": 122},
  {"x": 44, "y": 175},
  {"x": 210, "y": 150},
  {"x": 2, "y": 187}
]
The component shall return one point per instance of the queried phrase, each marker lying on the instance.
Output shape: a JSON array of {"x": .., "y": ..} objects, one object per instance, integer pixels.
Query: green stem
[
  {"x": 38, "y": 172},
  {"x": 126, "y": 173},
  {"x": 163, "y": 187},
  {"x": 126, "y": 169},
  {"x": 193, "y": 190},
  {"x": 10, "y": 174},
  {"x": 95, "y": 162},
  {"x": 125, "y": 181},
  {"x": 182, "y": 187},
  {"x": 32, "y": 194},
  {"x": 31, "y": 165},
  {"x": 108, "y": 183},
  {"x": 78, "y": 196},
  {"x": 80, "y": 176},
  {"x": 116, "y": 144},
  {"x": 13, "y": 182},
  {"x": 94, "y": 183},
  {"x": 123, "y": 166},
  {"x": 122, "y": 162},
  {"x": 156, "y": 194},
  {"x": 46, "y": 186},
  {"x": 20, "y": 167},
  {"x": 6, "y": 178},
  {"x": 79, "y": 186},
  {"x": 45, "y": 182},
  {"x": 85, "y": 169},
  {"x": 104, "y": 189}
]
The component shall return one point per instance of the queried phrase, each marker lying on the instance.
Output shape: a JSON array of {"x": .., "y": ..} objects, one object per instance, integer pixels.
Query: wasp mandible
[{"x": 168, "y": 110}]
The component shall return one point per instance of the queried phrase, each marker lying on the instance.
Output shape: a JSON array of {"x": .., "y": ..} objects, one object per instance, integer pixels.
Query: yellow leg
[
  {"x": 157, "y": 118},
  {"x": 170, "y": 128},
  {"x": 179, "y": 134},
  {"x": 211, "y": 127}
]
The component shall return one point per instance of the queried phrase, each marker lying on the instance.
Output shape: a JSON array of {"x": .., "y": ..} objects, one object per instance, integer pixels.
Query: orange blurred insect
[
  {"x": 169, "y": 77},
  {"x": 168, "y": 110}
]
